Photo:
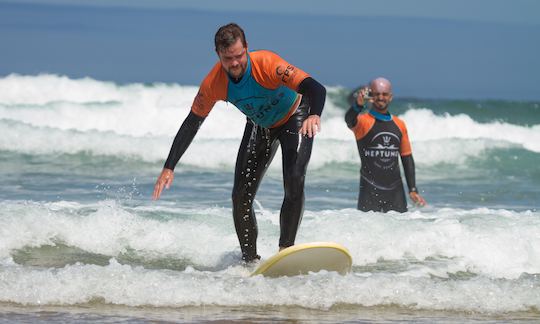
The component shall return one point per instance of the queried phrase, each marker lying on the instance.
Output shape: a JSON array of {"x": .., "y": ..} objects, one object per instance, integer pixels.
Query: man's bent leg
[{"x": 255, "y": 154}]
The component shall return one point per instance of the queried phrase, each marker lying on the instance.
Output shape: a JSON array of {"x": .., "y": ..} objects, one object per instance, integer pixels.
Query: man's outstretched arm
[{"x": 181, "y": 142}]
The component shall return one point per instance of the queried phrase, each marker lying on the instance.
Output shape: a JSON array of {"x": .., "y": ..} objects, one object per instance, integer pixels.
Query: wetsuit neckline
[
  {"x": 243, "y": 79},
  {"x": 379, "y": 116}
]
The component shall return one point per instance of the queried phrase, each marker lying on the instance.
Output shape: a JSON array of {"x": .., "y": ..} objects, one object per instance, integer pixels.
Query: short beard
[
  {"x": 379, "y": 107},
  {"x": 236, "y": 78}
]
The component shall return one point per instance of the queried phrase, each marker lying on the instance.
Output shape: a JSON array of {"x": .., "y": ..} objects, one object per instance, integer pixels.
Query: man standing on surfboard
[
  {"x": 283, "y": 105},
  {"x": 381, "y": 139}
]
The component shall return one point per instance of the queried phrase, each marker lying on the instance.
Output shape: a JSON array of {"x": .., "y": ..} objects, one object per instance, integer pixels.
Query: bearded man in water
[
  {"x": 382, "y": 140},
  {"x": 283, "y": 105}
]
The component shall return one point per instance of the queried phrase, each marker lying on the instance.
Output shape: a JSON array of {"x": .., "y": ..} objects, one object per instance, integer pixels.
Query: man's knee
[
  {"x": 242, "y": 203},
  {"x": 294, "y": 185}
]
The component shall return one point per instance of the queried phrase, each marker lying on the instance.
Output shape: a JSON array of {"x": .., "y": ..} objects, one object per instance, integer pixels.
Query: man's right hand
[
  {"x": 164, "y": 180},
  {"x": 361, "y": 95}
]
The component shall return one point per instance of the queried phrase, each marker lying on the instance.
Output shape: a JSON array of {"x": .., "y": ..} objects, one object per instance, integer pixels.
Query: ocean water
[{"x": 82, "y": 241}]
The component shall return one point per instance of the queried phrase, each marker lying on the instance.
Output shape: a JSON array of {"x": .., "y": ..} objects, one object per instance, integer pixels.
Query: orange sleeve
[
  {"x": 364, "y": 122},
  {"x": 405, "y": 148},
  {"x": 212, "y": 89},
  {"x": 271, "y": 71}
]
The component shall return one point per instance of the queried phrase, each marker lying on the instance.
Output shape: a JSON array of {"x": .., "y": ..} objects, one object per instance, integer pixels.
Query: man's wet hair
[{"x": 228, "y": 35}]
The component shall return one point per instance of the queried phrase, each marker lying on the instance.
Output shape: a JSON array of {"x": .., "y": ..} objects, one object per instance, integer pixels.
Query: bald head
[
  {"x": 381, "y": 93},
  {"x": 381, "y": 85}
]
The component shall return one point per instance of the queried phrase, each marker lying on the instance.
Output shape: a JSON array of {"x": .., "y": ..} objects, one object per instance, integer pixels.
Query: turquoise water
[{"x": 80, "y": 236}]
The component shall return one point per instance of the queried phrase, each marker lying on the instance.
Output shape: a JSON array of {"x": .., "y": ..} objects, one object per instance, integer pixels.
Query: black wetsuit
[
  {"x": 254, "y": 156},
  {"x": 257, "y": 149},
  {"x": 381, "y": 141}
]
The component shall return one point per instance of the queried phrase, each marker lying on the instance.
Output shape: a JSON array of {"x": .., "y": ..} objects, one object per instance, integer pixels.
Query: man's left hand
[
  {"x": 417, "y": 199},
  {"x": 311, "y": 126}
]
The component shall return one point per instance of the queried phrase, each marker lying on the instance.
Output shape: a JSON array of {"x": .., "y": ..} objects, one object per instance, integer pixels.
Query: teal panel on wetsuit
[{"x": 263, "y": 106}]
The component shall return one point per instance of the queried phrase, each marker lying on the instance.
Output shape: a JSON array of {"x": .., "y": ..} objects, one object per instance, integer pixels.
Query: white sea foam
[
  {"x": 57, "y": 102},
  {"x": 480, "y": 260},
  {"x": 136, "y": 286},
  {"x": 424, "y": 125},
  {"x": 51, "y": 114},
  {"x": 494, "y": 243},
  {"x": 105, "y": 228},
  {"x": 415, "y": 260}
]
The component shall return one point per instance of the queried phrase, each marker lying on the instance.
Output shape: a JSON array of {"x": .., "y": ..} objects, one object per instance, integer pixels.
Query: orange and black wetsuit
[
  {"x": 276, "y": 97},
  {"x": 381, "y": 139}
]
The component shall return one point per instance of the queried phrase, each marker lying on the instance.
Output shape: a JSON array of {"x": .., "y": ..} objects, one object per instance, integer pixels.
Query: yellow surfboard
[{"x": 308, "y": 257}]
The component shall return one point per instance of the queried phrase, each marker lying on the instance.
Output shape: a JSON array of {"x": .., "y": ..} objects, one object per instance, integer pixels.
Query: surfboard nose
[{"x": 305, "y": 258}]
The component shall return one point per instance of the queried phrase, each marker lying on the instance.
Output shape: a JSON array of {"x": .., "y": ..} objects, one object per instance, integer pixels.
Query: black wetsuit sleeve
[
  {"x": 315, "y": 93},
  {"x": 183, "y": 138},
  {"x": 351, "y": 114},
  {"x": 408, "y": 168}
]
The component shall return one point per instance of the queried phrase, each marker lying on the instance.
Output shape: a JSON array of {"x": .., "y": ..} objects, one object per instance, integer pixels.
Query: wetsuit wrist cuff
[
  {"x": 413, "y": 189},
  {"x": 356, "y": 107}
]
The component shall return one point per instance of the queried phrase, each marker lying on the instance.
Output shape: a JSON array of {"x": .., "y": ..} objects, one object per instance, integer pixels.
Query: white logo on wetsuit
[{"x": 385, "y": 148}]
